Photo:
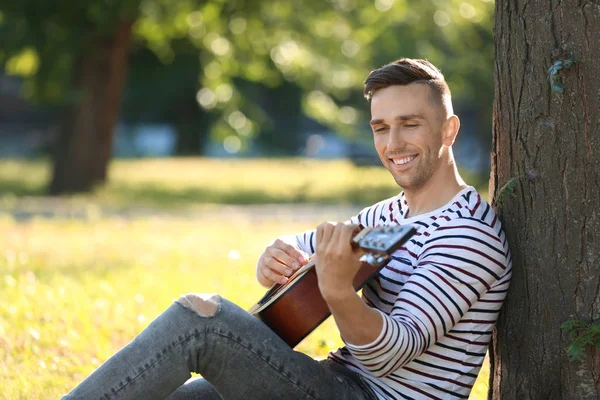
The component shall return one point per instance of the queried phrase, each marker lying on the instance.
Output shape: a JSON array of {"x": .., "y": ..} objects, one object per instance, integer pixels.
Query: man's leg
[
  {"x": 195, "y": 390},
  {"x": 236, "y": 353}
]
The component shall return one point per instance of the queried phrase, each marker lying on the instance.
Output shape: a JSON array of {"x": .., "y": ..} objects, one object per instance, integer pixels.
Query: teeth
[{"x": 402, "y": 161}]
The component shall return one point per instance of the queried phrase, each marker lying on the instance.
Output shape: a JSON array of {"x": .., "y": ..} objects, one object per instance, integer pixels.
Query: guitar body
[
  {"x": 301, "y": 308},
  {"x": 296, "y": 308}
]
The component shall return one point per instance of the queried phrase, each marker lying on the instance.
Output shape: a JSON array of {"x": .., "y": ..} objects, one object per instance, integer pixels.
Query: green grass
[
  {"x": 185, "y": 182},
  {"x": 75, "y": 290}
]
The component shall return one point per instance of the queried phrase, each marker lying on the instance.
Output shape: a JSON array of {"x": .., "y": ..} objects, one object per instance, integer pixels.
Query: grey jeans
[{"x": 237, "y": 355}]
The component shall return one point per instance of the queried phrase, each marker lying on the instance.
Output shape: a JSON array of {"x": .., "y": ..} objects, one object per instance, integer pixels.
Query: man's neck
[{"x": 435, "y": 193}]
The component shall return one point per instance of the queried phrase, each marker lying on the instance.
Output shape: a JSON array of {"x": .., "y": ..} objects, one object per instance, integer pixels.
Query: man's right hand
[{"x": 278, "y": 262}]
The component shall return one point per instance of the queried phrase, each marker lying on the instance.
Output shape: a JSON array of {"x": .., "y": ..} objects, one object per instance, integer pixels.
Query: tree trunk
[
  {"x": 548, "y": 144},
  {"x": 84, "y": 147},
  {"x": 192, "y": 127}
]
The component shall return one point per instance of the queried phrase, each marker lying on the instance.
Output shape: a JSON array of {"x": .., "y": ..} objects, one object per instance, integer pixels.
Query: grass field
[
  {"x": 175, "y": 183},
  {"x": 79, "y": 285}
]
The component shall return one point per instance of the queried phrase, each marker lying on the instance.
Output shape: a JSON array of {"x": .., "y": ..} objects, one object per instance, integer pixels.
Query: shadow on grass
[
  {"x": 20, "y": 188},
  {"x": 158, "y": 196},
  {"x": 155, "y": 195}
]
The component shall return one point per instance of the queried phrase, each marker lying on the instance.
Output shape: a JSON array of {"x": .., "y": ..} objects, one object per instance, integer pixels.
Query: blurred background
[
  {"x": 140, "y": 138},
  {"x": 81, "y": 82}
]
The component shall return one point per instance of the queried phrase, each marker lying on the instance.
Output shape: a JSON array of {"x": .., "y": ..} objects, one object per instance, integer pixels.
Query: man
[{"x": 422, "y": 326}]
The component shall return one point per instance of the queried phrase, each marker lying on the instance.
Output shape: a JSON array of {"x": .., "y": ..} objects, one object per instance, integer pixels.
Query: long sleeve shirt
[{"x": 439, "y": 298}]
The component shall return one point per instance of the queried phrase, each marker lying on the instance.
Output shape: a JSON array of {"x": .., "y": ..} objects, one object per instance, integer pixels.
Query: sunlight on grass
[
  {"x": 75, "y": 292},
  {"x": 175, "y": 183},
  {"x": 79, "y": 281}
]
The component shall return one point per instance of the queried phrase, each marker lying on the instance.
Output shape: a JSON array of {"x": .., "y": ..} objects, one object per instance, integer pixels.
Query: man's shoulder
[
  {"x": 470, "y": 232},
  {"x": 469, "y": 214},
  {"x": 472, "y": 208}
]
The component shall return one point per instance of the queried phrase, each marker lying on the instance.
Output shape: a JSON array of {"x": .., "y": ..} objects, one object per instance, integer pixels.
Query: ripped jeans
[{"x": 237, "y": 355}]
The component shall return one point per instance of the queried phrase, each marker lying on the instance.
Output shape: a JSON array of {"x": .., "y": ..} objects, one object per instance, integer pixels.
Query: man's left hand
[{"x": 336, "y": 261}]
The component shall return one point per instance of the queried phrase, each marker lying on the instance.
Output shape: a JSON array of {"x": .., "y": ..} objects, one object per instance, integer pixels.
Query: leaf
[
  {"x": 558, "y": 87},
  {"x": 582, "y": 334}
]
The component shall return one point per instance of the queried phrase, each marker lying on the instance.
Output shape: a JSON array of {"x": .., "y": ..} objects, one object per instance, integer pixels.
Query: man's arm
[
  {"x": 278, "y": 258},
  {"x": 337, "y": 263},
  {"x": 358, "y": 323},
  {"x": 458, "y": 264}
]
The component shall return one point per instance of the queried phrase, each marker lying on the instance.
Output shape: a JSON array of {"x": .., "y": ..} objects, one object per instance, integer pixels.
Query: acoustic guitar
[{"x": 294, "y": 309}]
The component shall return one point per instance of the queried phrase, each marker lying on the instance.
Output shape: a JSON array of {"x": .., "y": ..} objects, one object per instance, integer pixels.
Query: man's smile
[{"x": 403, "y": 161}]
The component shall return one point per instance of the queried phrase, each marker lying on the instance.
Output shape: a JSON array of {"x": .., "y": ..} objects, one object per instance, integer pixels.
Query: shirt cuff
[{"x": 375, "y": 343}]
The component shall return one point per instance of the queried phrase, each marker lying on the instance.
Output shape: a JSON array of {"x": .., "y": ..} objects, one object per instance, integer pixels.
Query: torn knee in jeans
[{"x": 206, "y": 305}]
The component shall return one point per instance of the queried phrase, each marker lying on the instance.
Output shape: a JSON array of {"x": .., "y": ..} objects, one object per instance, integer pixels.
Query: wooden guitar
[{"x": 296, "y": 308}]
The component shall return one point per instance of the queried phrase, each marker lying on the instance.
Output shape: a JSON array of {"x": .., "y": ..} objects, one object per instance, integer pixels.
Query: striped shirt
[{"x": 439, "y": 298}]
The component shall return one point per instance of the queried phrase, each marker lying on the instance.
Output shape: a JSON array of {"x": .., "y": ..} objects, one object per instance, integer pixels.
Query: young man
[{"x": 422, "y": 326}]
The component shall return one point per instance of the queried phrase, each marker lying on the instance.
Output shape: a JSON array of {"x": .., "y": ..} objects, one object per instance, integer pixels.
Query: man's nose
[{"x": 396, "y": 139}]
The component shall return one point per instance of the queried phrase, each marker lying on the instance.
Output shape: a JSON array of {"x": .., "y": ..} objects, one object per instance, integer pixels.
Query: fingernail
[
  {"x": 301, "y": 258},
  {"x": 283, "y": 280},
  {"x": 288, "y": 272},
  {"x": 295, "y": 265}
]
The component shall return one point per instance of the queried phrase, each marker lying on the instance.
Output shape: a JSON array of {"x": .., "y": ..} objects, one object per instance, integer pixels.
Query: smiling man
[
  {"x": 414, "y": 127},
  {"x": 421, "y": 328}
]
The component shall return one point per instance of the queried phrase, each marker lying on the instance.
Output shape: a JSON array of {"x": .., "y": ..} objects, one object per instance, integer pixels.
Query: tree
[
  {"x": 82, "y": 51},
  {"x": 545, "y": 182},
  {"x": 77, "y": 54}
]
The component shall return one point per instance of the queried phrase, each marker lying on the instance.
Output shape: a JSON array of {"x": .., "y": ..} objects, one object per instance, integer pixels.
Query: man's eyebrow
[
  {"x": 408, "y": 116},
  {"x": 398, "y": 118}
]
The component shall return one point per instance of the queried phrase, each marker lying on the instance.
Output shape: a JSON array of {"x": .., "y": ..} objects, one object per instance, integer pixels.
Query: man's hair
[{"x": 406, "y": 71}]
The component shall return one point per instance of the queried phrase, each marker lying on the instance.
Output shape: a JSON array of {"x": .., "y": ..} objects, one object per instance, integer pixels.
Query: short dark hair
[{"x": 406, "y": 71}]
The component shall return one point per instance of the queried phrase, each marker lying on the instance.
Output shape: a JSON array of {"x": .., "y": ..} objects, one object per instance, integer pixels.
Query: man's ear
[{"x": 450, "y": 130}]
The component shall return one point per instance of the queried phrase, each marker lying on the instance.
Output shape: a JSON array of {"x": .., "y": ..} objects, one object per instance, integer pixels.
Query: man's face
[{"x": 407, "y": 130}]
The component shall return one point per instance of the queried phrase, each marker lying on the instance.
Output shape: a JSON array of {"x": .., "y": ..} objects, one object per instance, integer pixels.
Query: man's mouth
[{"x": 403, "y": 160}]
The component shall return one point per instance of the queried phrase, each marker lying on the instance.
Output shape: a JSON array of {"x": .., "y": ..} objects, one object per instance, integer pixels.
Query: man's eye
[
  {"x": 380, "y": 129},
  {"x": 411, "y": 125}
]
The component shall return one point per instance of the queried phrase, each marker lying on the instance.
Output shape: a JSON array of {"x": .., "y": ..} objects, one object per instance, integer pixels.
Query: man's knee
[{"x": 206, "y": 305}]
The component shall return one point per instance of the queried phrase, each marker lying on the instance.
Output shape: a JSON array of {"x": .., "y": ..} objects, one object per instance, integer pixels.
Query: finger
[
  {"x": 273, "y": 276},
  {"x": 324, "y": 232},
  {"x": 283, "y": 257},
  {"x": 276, "y": 265},
  {"x": 356, "y": 228},
  {"x": 346, "y": 233},
  {"x": 293, "y": 252},
  {"x": 303, "y": 258},
  {"x": 335, "y": 235}
]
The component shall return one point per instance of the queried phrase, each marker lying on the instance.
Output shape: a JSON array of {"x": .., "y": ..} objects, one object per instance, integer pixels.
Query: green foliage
[
  {"x": 506, "y": 190},
  {"x": 553, "y": 71},
  {"x": 582, "y": 335},
  {"x": 42, "y": 41},
  {"x": 324, "y": 47}
]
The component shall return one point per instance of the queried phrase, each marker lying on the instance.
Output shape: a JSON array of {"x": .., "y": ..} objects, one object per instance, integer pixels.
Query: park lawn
[
  {"x": 184, "y": 182},
  {"x": 76, "y": 291},
  {"x": 79, "y": 285}
]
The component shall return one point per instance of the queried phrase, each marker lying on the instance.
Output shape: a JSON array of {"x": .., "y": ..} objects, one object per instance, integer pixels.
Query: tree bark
[
  {"x": 84, "y": 147},
  {"x": 548, "y": 143}
]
